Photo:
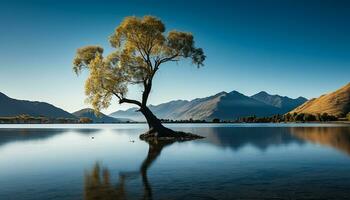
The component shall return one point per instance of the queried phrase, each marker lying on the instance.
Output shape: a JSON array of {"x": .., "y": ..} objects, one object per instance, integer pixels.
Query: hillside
[
  {"x": 101, "y": 118},
  {"x": 12, "y": 107},
  {"x": 225, "y": 106},
  {"x": 335, "y": 103}
]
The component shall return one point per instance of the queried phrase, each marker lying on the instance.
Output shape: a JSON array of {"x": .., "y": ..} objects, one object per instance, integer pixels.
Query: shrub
[
  {"x": 309, "y": 118},
  {"x": 85, "y": 120},
  {"x": 348, "y": 116},
  {"x": 326, "y": 117},
  {"x": 216, "y": 120},
  {"x": 299, "y": 117}
]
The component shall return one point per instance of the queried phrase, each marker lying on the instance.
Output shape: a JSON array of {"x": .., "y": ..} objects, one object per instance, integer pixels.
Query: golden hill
[{"x": 336, "y": 103}]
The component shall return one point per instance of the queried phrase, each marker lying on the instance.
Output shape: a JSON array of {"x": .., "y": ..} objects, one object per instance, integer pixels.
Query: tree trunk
[
  {"x": 158, "y": 131},
  {"x": 155, "y": 125}
]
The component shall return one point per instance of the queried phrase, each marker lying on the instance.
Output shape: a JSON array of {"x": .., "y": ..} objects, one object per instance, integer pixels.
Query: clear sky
[{"x": 293, "y": 48}]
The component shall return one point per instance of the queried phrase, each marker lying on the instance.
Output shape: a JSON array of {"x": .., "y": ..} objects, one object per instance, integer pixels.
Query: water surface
[{"x": 234, "y": 161}]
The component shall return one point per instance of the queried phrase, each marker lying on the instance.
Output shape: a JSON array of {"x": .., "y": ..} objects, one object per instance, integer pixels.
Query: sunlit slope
[{"x": 335, "y": 103}]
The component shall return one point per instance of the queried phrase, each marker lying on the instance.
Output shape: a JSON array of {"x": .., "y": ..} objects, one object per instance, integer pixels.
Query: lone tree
[{"x": 141, "y": 47}]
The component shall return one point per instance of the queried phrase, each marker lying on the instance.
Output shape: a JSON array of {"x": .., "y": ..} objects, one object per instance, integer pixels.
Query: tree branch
[
  {"x": 166, "y": 59},
  {"x": 132, "y": 101}
]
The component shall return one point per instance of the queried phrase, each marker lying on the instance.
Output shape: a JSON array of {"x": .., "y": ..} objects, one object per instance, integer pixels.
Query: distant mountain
[
  {"x": 101, "y": 118},
  {"x": 286, "y": 104},
  {"x": 12, "y": 107},
  {"x": 335, "y": 103},
  {"x": 225, "y": 106},
  {"x": 166, "y": 111}
]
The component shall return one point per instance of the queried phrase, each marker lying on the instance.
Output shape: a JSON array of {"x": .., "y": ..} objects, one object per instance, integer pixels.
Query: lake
[{"x": 234, "y": 161}]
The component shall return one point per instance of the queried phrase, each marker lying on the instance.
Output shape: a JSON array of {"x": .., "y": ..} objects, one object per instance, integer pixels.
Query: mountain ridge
[
  {"x": 10, "y": 107},
  {"x": 223, "y": 105},
  {"x": 285, "y": 103},
  {"x": 101, "y": 118}
]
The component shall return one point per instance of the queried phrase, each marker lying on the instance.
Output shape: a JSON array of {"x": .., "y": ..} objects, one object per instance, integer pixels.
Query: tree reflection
[{"x": 97, "y": 183}]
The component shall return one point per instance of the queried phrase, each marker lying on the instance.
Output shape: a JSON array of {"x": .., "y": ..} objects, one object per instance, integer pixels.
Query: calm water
[{"x": 232, "y": 162}]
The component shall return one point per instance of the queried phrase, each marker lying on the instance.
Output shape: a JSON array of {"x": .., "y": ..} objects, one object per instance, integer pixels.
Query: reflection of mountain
[
  {"x": 87, "y": 131},
  {"x": 259, "y": 137},
  {"x": 13, "y": 135},
  {"x": 336, "y": 137}
]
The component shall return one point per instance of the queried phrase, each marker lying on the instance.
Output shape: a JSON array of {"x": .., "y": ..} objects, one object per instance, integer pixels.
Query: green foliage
[
  {"x": 348, "y": 116},
  {"x": 299, "y": 117},
  {"x": 85, "y": 120},
  {"x": 140, "y": 48},
  {"x": 27, "y": 119},
  {"x": 309, "y": 118},
  {"x": 216, "y": 120},
  {"x": 326, "y": 117},
  {"x": 295, "y": 117}
]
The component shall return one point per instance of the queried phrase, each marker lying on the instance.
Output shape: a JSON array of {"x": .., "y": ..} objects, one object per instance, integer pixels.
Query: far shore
[{"x": 312, "y": 122}]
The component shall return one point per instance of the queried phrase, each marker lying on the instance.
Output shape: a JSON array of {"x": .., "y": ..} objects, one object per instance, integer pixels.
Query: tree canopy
[{"x": 141, "y": 46}]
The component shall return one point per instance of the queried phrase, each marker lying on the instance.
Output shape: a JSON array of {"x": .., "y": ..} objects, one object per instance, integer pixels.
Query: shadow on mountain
[
  {"x": 97, "y": 183},
  {"x": 259, "y": 137},
  {"x": 335, "y": 137}
]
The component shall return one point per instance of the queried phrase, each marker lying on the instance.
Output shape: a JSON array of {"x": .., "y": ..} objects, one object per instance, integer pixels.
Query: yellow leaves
[
  {"x": 141, "y": 47},
  {"x": 139, "y": 35},
  {"x": 84, "y": 56},
  {"x": 99, "y": 94},
  {"x": 182, "y": 44}
]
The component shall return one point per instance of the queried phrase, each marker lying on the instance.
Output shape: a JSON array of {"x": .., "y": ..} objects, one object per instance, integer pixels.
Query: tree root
[{"x": 168, "y": 135}]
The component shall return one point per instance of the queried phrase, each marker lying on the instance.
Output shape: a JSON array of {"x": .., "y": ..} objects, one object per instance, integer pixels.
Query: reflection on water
[
  {"x": 259, "y": 137},
  {"x": 97, "y": 184},
  {"x": 240, "y": 162},
  {"x": 262, "y": 138},
  {"x": 338, "y": 138}
]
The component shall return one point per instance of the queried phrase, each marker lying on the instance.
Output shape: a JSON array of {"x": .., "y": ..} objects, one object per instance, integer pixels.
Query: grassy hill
[{"x": 336, "y": 103}]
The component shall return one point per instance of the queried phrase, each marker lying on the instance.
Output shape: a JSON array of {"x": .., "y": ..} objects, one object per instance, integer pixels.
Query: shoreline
[{"x": 311, "y": 122}]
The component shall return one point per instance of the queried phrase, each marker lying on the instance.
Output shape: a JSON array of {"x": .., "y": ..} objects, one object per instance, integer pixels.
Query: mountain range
[
  {"x": 12, "y": 107},
  {"x": 223, "y": 105},
  {"x": 100, "y": 118},
  {"x": 336, "y": 103}
]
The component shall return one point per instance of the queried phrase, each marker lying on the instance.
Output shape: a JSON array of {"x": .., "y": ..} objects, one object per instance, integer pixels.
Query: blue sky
[{"x": 293, "y": 48}]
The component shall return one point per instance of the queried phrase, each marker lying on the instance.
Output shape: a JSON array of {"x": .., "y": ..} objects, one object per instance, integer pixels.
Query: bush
[
  {"x": 85, "y": 120},
  {"x": 216, "y": 120},
  {"x": 309, "y": 118},
  {"x": 299, "y": 117},
  {"x": 348, "y": 116},
  {"x": 326, "y": 117},
  {"x": 287, "y": 117}
]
